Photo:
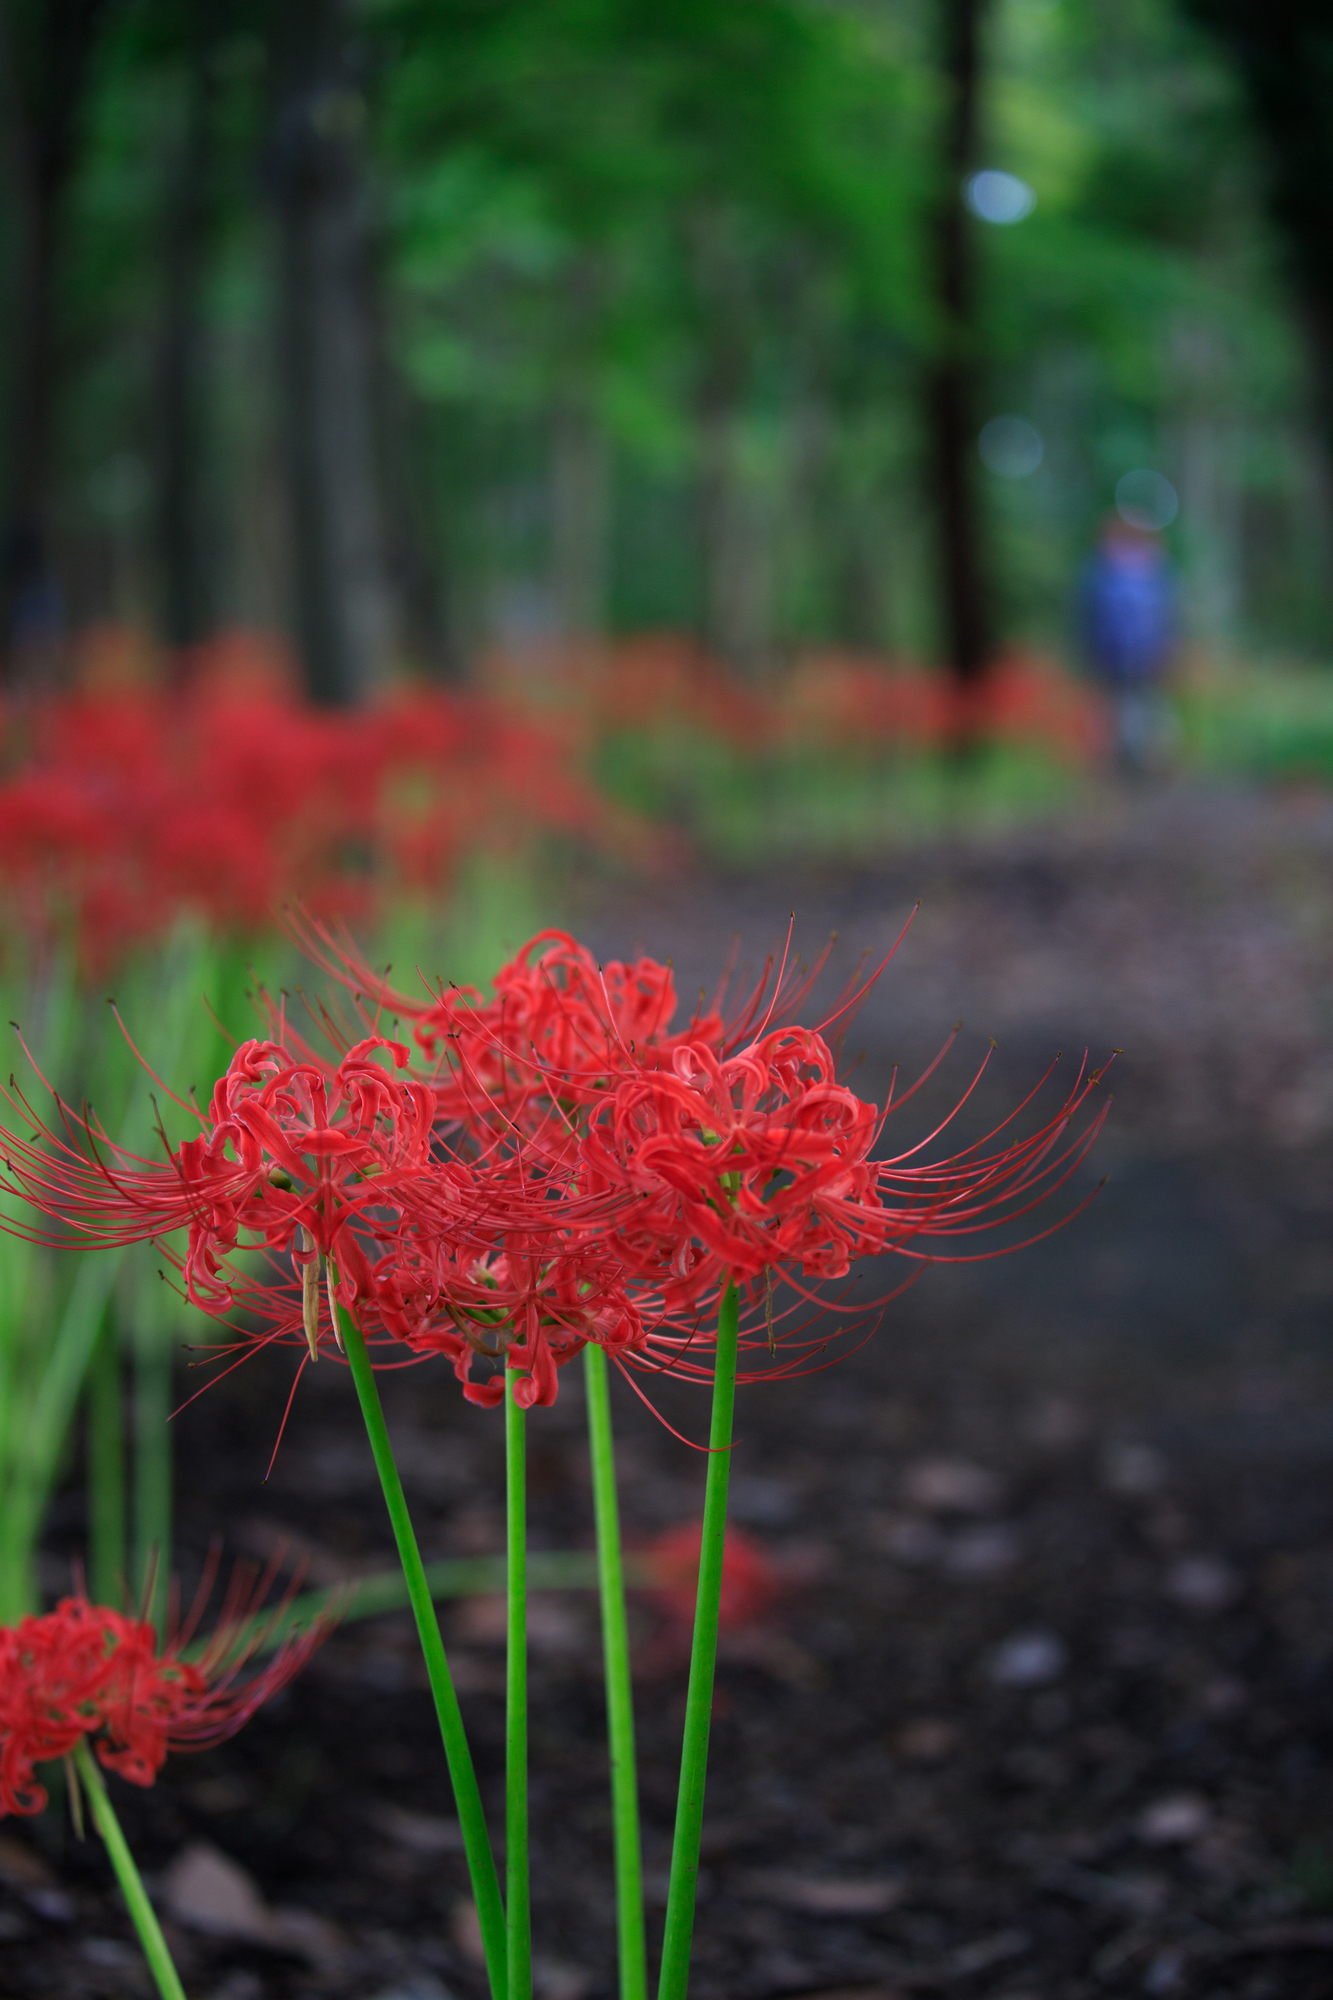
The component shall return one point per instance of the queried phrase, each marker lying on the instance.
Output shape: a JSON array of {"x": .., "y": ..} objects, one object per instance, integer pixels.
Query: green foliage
[
  {"x": 1269, "y": 719},
  {"x": 796, "y": 806},
  {"x": 674, "y": 220},
  {"x": 59, "y": 1312}
]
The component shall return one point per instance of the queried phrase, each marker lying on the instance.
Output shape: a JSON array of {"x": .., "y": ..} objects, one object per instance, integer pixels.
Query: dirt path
[{"x": 1041, "y": 1707}]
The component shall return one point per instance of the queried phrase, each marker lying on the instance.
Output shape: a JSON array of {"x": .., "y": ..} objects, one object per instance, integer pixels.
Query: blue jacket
[{"x": 1128, "y": 604}]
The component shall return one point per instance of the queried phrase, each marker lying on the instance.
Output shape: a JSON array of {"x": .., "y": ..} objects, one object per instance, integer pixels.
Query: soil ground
[{"x": 1042, "y": 1705}]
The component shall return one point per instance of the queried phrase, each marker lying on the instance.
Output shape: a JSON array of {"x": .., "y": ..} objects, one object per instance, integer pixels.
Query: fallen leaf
[
  {"x": 553, "y": 1979},
  {"x": 206, "y": 1890},
  {"x": 926, "y": 1740},
  {"x": 465, "y": 1931},
  {"x": 951, "y": 1486},
  {"x": 1175, "y": 1820},
  {"x": 825, "y": 1896},
  {"x": 308, "y": 1935},
  {"x": 420, "y": 1833}
]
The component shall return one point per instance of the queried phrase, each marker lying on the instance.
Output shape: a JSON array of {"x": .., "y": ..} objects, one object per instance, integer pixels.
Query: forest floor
[{"x": 1043, "y": 1706}]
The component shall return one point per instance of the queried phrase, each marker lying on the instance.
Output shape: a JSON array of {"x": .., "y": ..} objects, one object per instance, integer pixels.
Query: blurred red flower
[
  {"x": 560, "y": 1166},
  {"x": 122, "y": 809},
  {"x": 88, "y": 1670},
  {"x": 751, "y": 1581}
]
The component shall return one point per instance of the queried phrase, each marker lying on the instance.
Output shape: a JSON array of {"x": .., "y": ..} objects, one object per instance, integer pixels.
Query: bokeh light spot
[
  {"x": 1146, "y": 500},
  {"x": 1011, "y": 447},
  {"x": 999, "y": 197}
]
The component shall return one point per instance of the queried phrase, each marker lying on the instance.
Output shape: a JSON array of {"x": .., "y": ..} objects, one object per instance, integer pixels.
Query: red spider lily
[
  {"x": 762, "y": 1162},
  {"x": 611, "y": 1177},
  {"x": 745, "y": 1164},
  {"x": 122, "y": 809},
  {"x": 751, "y": 1582},
  {"x": 312, "y": 1151},
  {"x": 292, "y": 1156},
  {"x": 751, "y": 1169},
  {"x": 442, "y": 1287},
  {"x": 88, "y": 1670},
  {"x": 561, "y": 1028},
  {"x": 533, "y": 1309},
  {"x": 558, "y": 1025},
  {"x": 846, "y": 703},
  {"x": 51, "y": 1673},
  {"x": 748, "y": 1173}
]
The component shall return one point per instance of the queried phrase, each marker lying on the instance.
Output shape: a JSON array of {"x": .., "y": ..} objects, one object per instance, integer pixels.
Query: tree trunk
[
  {"x": 951, "y": 396},
  {"x": 417, "y": 540},
  {"x": 326, "y": 355},
  {"x": 182, "y": 536},
  {"x": 1283, "y": 54},
  {"x": 45, "y": 50},
  {"x": 737, "y": 535},
  {"x": 580, "y": 510}
]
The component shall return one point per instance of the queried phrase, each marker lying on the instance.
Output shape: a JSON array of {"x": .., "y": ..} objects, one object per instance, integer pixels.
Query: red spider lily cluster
[
  {"x": 852, "y": 704},
  {"x": 752, "y": 1583},
  {"x": 87, "y": 1670},
  {"x": 551, "y": 1165},
  {"x": 124, "y": 805},
  {"x": 121, "y": 808}
]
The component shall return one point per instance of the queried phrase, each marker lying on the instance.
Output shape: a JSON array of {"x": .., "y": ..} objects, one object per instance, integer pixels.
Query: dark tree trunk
[
  {"x": 416, "y": 542},
  {"x": 45, "y": 52},
  {"x": 581, "y": 463},
  {"x": 951, "y": 401},
  {"x": 1283, "y": 52},
  {"x": 734, "y": 550},
  {"x": 737, "y": 541},
  {"x": 580, "y": 511},
  {"x": 181, "y": 527},
  {"x": 326, "y": 359}
]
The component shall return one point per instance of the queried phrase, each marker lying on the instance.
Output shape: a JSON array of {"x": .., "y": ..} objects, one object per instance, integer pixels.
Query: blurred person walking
[{"x": 1127, "y": 603}]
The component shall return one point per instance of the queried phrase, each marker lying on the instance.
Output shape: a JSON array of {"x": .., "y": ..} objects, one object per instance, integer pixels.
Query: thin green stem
[
  {"x": 679, "y": 1932},
  {"x": 152, "y": 1448},
  {"x": 517, "y": 1899},
  {"x": 127, "y": 1874},
  {"x": 106, "y": 1468},
  {"x": 465, "y": 1576},
  {"x": 42, "y": 1425},
  {"x": 633, "y": 1944},
  {"x": 467, "y": 1796}
]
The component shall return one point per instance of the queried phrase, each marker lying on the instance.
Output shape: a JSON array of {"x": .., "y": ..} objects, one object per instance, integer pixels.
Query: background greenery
[{"x": 464, "y": 323}]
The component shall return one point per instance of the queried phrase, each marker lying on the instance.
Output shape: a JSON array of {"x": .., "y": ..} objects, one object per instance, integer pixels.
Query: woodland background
[{"x": 414, "y": 328}]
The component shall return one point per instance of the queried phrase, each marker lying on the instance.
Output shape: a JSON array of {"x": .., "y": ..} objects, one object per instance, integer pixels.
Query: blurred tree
[
  {"x": 1283, "y": 51},
  {"x": 46, "y": 51},
  {"x": 182, "y": 532},
  {"x": 698, "y": 178},
  {"x": 952, "y": 398},
  {"x": 325, "y": 344},
  {"x": 602, "y": 313}
]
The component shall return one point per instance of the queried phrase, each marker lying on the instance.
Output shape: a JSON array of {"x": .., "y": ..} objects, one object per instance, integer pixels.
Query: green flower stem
[
  {"x": 684, "y": 1882},
  {"x": 467, "y": 1796},
  {"x": 457, "y": 1576},
  {"x": 517, "y": 1902},
  {"x": 619, "y": 1691},
  {"x": 152, "y": 1446},
  {"x": 131, "y": 1882},
  {"x": 106, "y": 1468}
]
